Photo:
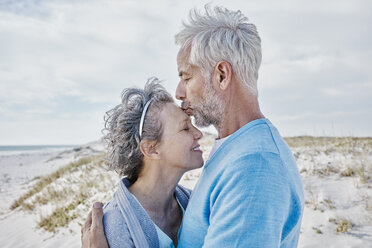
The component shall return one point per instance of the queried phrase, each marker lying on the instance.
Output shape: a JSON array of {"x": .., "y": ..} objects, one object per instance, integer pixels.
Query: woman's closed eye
[{"x": 186, "y": 124}]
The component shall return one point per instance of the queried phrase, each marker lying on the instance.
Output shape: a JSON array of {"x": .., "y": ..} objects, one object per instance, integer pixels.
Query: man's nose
[{"x": 180, "y": 91}]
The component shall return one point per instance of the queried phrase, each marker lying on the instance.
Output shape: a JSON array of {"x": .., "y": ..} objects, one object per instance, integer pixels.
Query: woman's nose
[{"x": 197, "y": 134}]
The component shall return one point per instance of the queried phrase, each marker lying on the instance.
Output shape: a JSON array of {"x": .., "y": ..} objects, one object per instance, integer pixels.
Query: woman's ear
[
  {"x": 149, "y": 149},
  {"x": 223, "y": 74}
]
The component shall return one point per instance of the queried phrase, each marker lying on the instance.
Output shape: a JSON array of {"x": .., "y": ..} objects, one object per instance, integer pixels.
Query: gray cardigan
[{"x": 127, "y": 223}]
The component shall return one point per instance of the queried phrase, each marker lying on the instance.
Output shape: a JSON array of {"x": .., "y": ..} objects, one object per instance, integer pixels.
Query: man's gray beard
[{"x": 208, "y": 111}]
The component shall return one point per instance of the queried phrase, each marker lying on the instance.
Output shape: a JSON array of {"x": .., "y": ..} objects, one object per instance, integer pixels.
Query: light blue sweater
[
  {"x": 126, "y": 222},
  {"x": 249, "y": 194}
]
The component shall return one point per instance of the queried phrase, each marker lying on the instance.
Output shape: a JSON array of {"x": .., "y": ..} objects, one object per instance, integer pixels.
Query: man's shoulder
[
  {"x": 253, "y": 163},
  {"x": 245, "y": 170},
  {"x": 260, "y": 137},
  {"x": 252, "y": 149},
  {"x": 261, "y": 142}
]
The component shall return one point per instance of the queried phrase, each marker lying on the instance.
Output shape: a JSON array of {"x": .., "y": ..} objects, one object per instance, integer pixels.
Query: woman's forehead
[{"x": 174, "y": 113}]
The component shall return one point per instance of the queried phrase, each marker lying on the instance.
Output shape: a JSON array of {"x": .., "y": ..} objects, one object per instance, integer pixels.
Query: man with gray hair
[{"x": 250, "y": 192}]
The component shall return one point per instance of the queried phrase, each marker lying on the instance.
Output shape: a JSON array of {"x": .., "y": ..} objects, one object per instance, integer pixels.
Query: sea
[{"x": 33, "y": 149}]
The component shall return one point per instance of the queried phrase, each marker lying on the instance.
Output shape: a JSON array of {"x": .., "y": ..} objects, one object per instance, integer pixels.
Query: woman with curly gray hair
[{"x": 151, "y": 142}]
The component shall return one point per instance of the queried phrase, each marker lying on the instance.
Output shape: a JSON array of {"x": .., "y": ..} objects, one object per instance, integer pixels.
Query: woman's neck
[{"x": 155, "y": 189}]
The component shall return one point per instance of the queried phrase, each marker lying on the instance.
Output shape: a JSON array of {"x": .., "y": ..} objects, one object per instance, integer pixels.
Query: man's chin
[{"x": 201, "y": 122}]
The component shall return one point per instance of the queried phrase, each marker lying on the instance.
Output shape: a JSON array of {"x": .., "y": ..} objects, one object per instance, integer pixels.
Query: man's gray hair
[
  {"x": 121, "y": 132},
  {"x": 221, "y": 34}
]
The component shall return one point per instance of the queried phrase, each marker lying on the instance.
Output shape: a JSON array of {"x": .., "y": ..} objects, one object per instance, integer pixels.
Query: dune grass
[
  {"x": 62, "y": 216},
  {"x": 47, "y": 180},
  {"x": 67, "y": 194},
  {"x": 332, "y": 159},
  {"x": 345, "y": 156}
]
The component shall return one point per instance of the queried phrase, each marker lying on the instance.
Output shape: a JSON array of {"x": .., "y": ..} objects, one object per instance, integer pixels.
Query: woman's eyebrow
[{"x": 185, "y": 120}]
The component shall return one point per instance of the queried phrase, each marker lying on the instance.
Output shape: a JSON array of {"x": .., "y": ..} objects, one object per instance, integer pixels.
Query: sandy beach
[{"x": 46, "y": 195}]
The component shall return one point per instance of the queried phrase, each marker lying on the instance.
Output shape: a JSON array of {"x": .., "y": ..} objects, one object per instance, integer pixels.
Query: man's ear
[
  {"x": 149, "y": 149},
  {"x": 223, "y": 74}
]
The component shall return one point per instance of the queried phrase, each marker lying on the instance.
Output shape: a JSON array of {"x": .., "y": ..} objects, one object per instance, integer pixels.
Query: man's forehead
[
  {"x": 183, "y": 54},
  {"x": 183, "y": 58},
  {"x": 184, "y": 66}
]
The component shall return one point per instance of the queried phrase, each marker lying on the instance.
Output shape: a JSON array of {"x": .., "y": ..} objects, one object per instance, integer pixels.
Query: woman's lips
[{"x": 197, "y": 149}]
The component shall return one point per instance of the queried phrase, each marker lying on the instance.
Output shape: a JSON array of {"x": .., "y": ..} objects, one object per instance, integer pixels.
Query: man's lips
[
  {"x": 186, "y": 108},
  {"x": 188, "y": 111},
  {"x": 185, "y": 105}
]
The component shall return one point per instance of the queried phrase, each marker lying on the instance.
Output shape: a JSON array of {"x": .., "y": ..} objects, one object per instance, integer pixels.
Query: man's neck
[{"x": 241, "y": 108}]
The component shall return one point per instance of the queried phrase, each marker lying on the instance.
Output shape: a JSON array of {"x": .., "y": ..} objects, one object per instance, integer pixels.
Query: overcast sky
[{"x": 64, "y": 63}]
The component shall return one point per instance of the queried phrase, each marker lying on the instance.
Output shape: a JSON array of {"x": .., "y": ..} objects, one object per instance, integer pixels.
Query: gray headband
[{"x": 143, "y": 117}]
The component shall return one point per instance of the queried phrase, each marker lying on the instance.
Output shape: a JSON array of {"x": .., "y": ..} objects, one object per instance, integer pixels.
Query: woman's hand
[{"x": 92, "y": 233}]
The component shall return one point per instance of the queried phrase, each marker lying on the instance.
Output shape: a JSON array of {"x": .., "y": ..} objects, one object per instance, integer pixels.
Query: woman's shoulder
[
  {"x": 113, "y": 217},
  {"x": 111, "y": 209},
  {"x": 183, "y": 190},
  {"x": 115, "y": 226},
  {"x": 183, "y": 195}
]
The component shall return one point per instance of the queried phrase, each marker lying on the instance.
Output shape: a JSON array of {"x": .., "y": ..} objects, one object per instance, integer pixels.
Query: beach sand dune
[{"x": 46, "y": 196}]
